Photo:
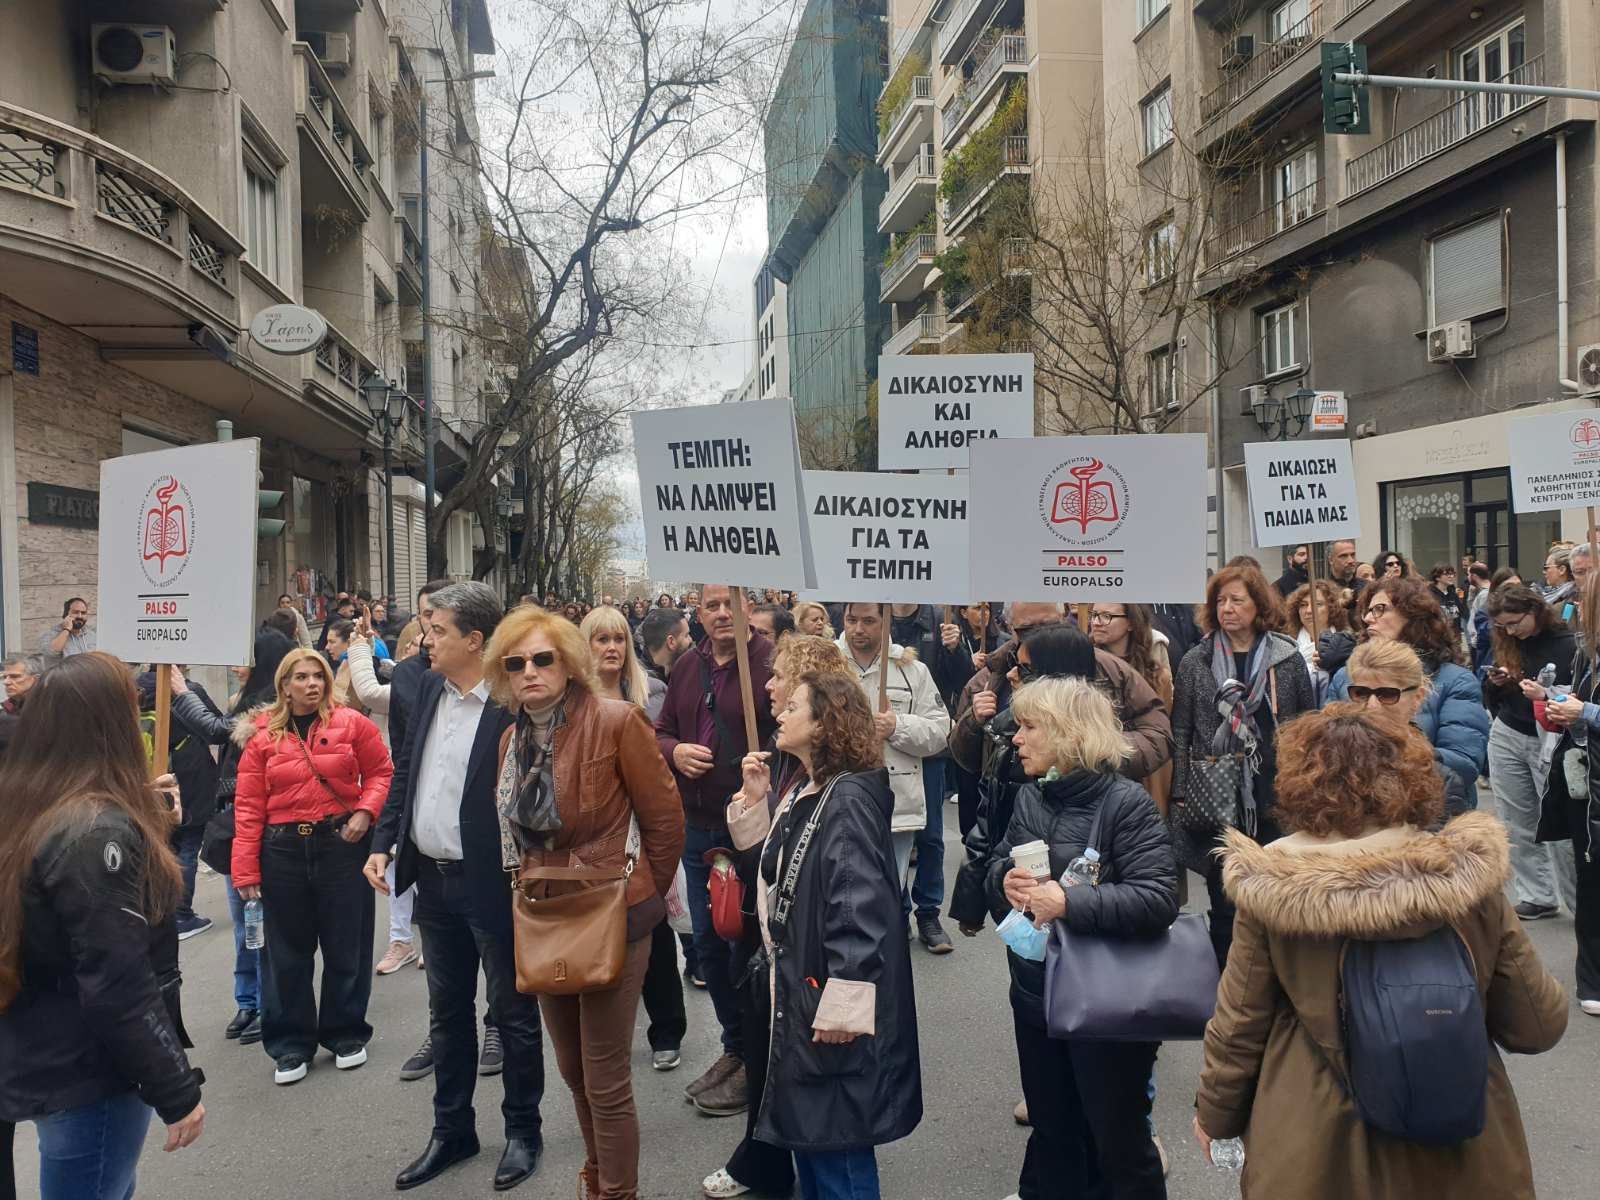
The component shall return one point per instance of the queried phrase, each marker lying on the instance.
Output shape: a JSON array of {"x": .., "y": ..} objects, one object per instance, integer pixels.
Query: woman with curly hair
[
  {"x": 1356, "y": 795},
  {"x": 1331, "y": 617},
  {"x": 843, "y": 1072},
  {"x": 1451, "y": 715}
]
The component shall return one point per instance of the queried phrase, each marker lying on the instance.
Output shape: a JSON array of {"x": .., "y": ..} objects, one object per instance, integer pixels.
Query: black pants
[
  {"x": 765, "y": 1169},
  {"x": 1222, "y": 908},
  {"x": 969, "y": 792},
  {"x": 457, "y": 939},
  {"x": 1586, "y": 918},
  {"x": 1089, "y": 1105},
  {"x": 663, "y": 991},
  {"x": 314, "y": 897}
]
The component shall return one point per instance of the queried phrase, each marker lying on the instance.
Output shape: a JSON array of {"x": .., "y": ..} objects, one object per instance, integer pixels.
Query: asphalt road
[{"x": 344, "y": 1134}]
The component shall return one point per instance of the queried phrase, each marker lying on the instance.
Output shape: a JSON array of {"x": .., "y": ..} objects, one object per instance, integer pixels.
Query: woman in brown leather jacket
[{"x": 577, "y": 773}]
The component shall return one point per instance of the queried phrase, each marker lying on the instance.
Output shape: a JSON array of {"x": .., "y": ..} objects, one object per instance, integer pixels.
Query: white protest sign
[
  {"x": 178, "y": 554},
  {"x": 889, "y": 539},
  {"x": 1555, "y": 460},
  {"x": 719, "y": 487},
  {"x": 932, "y": 407},
  {"x": 1302, "y": 492},
  {"x": 1080, "y": 519}
]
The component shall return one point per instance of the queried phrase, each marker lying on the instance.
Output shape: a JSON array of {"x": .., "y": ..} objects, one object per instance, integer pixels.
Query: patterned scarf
[
  {"x": 526, "y": 797},
  {"x": 1237, "y": 704}
]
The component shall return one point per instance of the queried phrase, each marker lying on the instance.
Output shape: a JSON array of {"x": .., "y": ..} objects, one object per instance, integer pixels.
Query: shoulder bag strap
[
  {"x": 326, "y": 786},
  {"x": 797, "y": 858}
]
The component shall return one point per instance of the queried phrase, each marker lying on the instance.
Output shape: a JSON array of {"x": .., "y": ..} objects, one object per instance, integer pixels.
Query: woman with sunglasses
[
  {"x": 1387, "y": 678},
  {"x": 1390, "y": 565},
  {"x": 1450, "y": 713},
  {"x": 582, "y": 783},
  {"x": 1527, "y": 635}
]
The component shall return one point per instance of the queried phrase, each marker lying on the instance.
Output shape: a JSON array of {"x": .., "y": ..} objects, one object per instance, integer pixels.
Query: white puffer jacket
[{"x": 921, "y": 728}]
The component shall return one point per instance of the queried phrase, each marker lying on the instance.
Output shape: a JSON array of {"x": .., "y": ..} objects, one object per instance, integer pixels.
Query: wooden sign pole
[
  {"x": 1311, "y": 578},
  {"x": 883, "y": 661},
  {"x": 158, "y": 751},
  {"x": 741, "y": 654},
  {"x": 1594, "y": 543}
]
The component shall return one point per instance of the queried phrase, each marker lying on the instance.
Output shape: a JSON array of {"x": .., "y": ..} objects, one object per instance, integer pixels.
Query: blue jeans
[
  {"x": 92, "y": 1152},
  {"x": 246, "y": 963},
  {"x": 186, "y": 845},
  {"x": 712, "y": 954},
  {"x": 927, "y": 885},
  {"x": 837, "y": 1174}
]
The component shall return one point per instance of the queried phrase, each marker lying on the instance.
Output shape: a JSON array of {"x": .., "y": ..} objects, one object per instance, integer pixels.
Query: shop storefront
[{"x": 1443, "y": 518}]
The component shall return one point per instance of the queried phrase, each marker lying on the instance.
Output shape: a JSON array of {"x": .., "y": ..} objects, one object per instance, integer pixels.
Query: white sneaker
[
  {"x": 289, "y": 1070},
  {"x": 352, "y": 1060},
  {"x": 719, "y": 1184},
  {"x": 1592, "y": 1007}
]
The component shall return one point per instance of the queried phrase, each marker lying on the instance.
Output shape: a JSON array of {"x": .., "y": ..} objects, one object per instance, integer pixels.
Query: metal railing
[
  {"x": 31, "y": 162},
  {"x": 335, "y": 355},
  {"x": 955, "y": 24},
  {"x": 1010, "y": 49},
  {"x": 1457, "y": 121},
  {"x": 124, "y": 199},
  {"x": 1259, "y": 226},
  {"x": 1014, "y": 255},
  {"x": 916, "y": 248},
  {"x": 207, "y": 258},
  {"x": 918, "y": 170},
  {"x": 324, "y": 102},
  {"x": 1013, "y": 156},
  {"x": 921, "y": 89},
  {"x": 1016, "y": 346},
  {"x": 925, "y": 327},
  {"x": 1263, "y": 64}
]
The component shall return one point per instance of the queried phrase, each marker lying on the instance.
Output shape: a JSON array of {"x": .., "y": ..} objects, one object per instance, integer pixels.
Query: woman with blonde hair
[
  {"x": 811, "y": 618},
  {"x": 583, "y": 784},
  {"x": 1088, "y": 1101},
  {"x": 618, "y": 673},
  {"x": 311, "y": 782}
]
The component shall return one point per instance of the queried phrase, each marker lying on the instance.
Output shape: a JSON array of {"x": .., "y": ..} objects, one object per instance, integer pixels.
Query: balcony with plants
[
  {"x": 999, "y": 56},
  {"x": 910, "y": 196},
  {"x": 998, "y": 149},
  {"x": 905, "y": 109},
  {"x": 908, "y": 262}
]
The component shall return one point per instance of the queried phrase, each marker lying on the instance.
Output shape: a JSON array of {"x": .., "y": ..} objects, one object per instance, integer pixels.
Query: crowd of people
[{"x": 1311, "y": 749}]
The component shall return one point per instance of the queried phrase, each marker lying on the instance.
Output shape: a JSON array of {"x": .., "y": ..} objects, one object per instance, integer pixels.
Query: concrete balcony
[
  {"x": 919, "y": 335},
  {"x": 961, "y": 27},
  {"x": 1261, "y": 227},
  {"x": 961, "y": 208},
  {"x": 408, "y": 267},
  {"x": 333, "y": 155},
  {"x": 906, "y": 277},
  {"x": 911, "y": 123},
  {"x": 335, "y": 369},
  {"x": 1271, "y": 59},
  {"x": 911, "y": 191},
  {"x": 1007, "y": 59}
]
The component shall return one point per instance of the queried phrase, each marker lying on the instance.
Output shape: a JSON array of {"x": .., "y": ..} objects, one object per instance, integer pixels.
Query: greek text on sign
[
  {"x": 177, "y": 554},
  {"x": 889, "y": 539},
  {"x": 932, "y": 407},
  {"x": 719, "y": 487},
  {"x": 1555, "y": 460},
  {"x": 288, "y": 329},
  {"x": 1090, "y": 518},
  {"x": 1301, "y": 492}
]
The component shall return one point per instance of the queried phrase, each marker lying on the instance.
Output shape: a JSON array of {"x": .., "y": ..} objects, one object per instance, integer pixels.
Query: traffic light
[
  {"x": 1344, "y": 105},
  {"x": 266, "y": 501}
]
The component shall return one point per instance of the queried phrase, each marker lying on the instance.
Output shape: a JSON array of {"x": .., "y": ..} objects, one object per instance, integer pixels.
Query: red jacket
[{"x": 276, "y": 784}]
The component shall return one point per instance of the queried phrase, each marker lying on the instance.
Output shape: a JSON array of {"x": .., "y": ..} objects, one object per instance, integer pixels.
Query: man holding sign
[{"x": 701, "y": 731}]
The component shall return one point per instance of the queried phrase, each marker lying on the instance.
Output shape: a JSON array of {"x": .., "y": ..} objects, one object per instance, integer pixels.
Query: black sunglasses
[
  {"x": 1026, "y": 671},
  {"x": 515, "y": 664},
  {"x": 1386, "y": 695}
]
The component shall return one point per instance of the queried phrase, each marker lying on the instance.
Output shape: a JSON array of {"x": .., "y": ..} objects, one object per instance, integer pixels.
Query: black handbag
[
  {"x": 216, "y": 843},
  {"x": 1211, "y": 794},
  {"x": 1110, "y": 989}
]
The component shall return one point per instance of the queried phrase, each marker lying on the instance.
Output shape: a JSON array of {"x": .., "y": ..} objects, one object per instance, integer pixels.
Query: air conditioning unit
[
  {"x": 134, "y": 53},
  {"x": 1236, "y": 51},
  {"x": 1451, "y": 341},
  {"x": 332, "y": 49},
  {"x": 1589, "y": 368},
  {"x": 1250, "y": 396}
]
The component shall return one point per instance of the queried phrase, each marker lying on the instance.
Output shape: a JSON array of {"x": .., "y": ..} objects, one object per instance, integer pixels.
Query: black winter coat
[
  {"x": 97, "y": 1015},
  {"x": 188, "y": 756},
  {"x": 846, "y": 924},
  {"x": 1138, "y": 891}
]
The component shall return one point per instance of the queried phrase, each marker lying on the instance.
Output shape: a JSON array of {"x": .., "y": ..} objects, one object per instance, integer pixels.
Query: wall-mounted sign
[
  {"x": 1329, "y": 413},
  {"x": 24, "y": 349},
  {"x": 51, "y": 504},
  {"x": 288, "y": 329}
]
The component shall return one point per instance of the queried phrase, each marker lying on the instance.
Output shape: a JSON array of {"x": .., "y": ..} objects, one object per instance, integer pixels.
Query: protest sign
[
  {"x": 719, "y": 487},
  {"x": 1090, "y": 518},
  {"x": 933, "y": 407},
  {"x": 1555, "y": 460},
  {"x": 1301, "y": 492},
  {"x": 899, "y": 539},
  {"x": 178, "y": 554}
]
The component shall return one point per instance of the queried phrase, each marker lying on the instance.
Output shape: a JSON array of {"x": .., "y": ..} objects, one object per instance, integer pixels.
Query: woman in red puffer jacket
[{"x": 311, "y": 782}]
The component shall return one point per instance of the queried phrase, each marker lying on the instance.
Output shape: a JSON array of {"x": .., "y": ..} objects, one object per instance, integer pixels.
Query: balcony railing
[
  {"x": 338, "y": 366},
  {"x": 318, "y": 103},
  {"x": 1270, "y": 221},
  {"x": 1016, "y": 346},
  {"x": 1462, "y": 118},
  {"x": 916, "y": 248},
  {"x": 920, "y": 91},
  {"x": 1010, "y": 50},
  {"x": 1013, "y": 157},
  {"x": 918, "y": 170},
  {"x": 1263, "y": 64},
  {"x": 1014, "y": 256},
  {"x": 957, "y": 24},
  {"x": 927, "y": 327}
]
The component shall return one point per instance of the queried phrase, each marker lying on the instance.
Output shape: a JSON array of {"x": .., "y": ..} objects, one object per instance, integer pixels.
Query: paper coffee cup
[{"x": 1034, "y": 858}]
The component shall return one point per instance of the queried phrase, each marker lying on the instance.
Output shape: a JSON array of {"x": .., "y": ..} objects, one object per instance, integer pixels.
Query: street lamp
[
  {"x": 387, "y": 404},
  {"x": 1287, "y": 416}
]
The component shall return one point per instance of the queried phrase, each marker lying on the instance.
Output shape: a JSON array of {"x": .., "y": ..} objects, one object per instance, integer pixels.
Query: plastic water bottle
[
  {"x": 1547, "y": 676},
  {"x": 1085, "y": 869},
  {"x": 1228, "y": 1153},
  {"x": 254, "y": 920}
]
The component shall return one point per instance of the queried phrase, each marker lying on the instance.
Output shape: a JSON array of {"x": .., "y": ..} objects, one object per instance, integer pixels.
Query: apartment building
[
  {"x": 1440, "y": 271},
  {"x": 824, "y": 192},
  {"x": 167, "y": 169},
  {"x": 772, "y": 334}
]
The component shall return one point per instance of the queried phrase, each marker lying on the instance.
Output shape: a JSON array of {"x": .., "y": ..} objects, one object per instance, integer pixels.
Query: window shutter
[
  {"x": 402, "y": 553},
  {"x": 1467, "y": 275}
]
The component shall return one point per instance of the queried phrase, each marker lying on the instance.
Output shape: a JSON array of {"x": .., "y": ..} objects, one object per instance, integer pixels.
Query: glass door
[{"x": 1495, "y": 59}]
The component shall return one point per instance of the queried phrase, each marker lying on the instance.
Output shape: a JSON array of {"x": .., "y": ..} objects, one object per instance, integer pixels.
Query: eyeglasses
[
  {"x": 1511, "y": 625},
  {"x": 515, "y": 664},
  {"x": 1387, "y": 696},
  {"x": 1105, "y": 618},
  {"x": 1378, "y": 610}
]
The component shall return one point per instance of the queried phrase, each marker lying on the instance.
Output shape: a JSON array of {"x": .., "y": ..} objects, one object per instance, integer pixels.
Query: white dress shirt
[{"x": 442, "y": 771}]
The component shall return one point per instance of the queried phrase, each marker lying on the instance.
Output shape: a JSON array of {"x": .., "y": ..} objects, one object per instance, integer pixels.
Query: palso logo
[
  {"x": 1586, "y": 434},
  {"x": 166, "y": 530},
  {"x": 1079, "y": 497}
]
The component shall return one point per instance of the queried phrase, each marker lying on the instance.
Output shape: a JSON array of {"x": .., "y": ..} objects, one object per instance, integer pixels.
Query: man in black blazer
[{"x": 442, "y": 820}]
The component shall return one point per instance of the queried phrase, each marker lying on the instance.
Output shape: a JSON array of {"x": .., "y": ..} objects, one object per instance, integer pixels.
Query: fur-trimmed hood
[
  {"x": 249, "y": 723},
  {"x": 1390, "y": 883}
]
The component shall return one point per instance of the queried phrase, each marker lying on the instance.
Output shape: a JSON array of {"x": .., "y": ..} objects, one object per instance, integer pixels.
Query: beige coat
[{"x": 1274, "y": 1056}]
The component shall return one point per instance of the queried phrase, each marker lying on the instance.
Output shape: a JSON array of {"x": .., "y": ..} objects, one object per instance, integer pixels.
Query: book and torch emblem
[
  {"x": 1084, "y": 501},
  {"x": 166, "y": 530}
]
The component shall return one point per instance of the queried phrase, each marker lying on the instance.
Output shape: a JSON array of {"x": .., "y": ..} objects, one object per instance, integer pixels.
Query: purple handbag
[{"x": 1156, "y": 989}]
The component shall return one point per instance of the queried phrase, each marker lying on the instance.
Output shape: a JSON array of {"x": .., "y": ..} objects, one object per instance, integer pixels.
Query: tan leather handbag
[{"x": 574, "y": 943}]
